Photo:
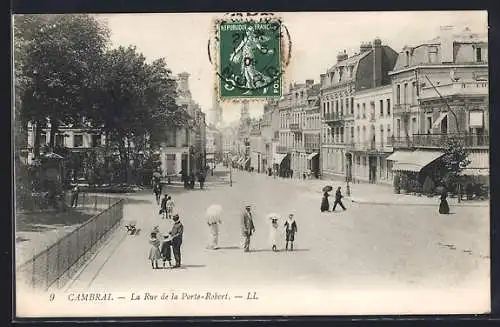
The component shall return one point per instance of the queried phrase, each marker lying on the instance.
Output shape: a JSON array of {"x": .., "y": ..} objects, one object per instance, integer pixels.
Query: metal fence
[
  {"x": 91, "y": 201},
  {"x": 59, "y": 262}
]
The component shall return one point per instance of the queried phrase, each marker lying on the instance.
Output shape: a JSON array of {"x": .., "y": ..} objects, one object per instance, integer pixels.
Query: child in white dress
[{"x": 274, "y": 233}]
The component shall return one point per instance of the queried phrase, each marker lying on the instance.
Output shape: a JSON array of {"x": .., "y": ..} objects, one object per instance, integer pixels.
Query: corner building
[{"x": 367, "y": 69}]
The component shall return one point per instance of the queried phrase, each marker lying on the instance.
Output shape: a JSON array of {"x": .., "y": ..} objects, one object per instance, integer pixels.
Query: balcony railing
[
  {"x": 334, "y": 117},
  {"x": 295, "y": 127},
  {"x": 459, "y": 88},
  {"x": 311, "y": 147},
  {"x": 281, "y": 149},
  {"x": 369, "y": 146},
  {"x": 439, "y": 140},
  {"x": 402, "y": 108}
]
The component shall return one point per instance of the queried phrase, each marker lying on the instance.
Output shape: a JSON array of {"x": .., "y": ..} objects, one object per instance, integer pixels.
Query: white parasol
[{"x": 213, "y": 214}]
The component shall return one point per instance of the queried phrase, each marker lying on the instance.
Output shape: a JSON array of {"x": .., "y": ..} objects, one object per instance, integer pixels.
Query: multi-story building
[
  {"x": 230, "y": 142},
  {"x": 304, "y": 125},
  {"x": 257, "y": 146},
  {"x": 368, "y": 140},
  {"x": 440, "y": 89},
  {"x": 243, "y": 144},
  {"x": 270, "y": 133},
  {"x": 213, "y": 145},
  {"x": 184, "y": 147},
  {"x": 281, "y": 160},
  {"x": 367, "y": 69}
]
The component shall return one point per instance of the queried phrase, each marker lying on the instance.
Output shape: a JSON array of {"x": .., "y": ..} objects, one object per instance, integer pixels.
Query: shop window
[{"x": 77, "y": 141}]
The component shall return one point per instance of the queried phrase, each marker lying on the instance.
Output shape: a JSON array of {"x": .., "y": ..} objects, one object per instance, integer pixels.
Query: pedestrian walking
[
  {"x": 325, "y": 205},
  {"x": 157, "y": 191},
  {"x": 247, "y": 227},
  {"x": 290, "y": 230},
  {"x": 291, "y": 173},
  {"x": 166, "y": 250},
  {"x": 213, "y": 221},
  {"x": 176, "y": 234},
  {"x": 444, "y": 208},
  {"x": 163, "y": 206},
  {"x": 274, "y": 233},
  {"x": 169, "y": 207},
  {"x": 154, "y": 251},
  {"x": 338, "y": 200},
  {"x": 201, "y": 179},
  {"x": 75, "y": 191}
]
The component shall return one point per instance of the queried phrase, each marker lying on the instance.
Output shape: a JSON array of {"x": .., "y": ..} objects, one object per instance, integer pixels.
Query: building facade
[
  {"x": 370, "y": 138},
  {"x": 281, "y": 160},
  {"x": 184, "y": 148},
  {"x": 213, "y": 145},
  {"x": 367, "y": 69},
  {"x": 304, "y": 126},
  {"x": 270, "y": 134},
  {"x": 440, "y": 89}
]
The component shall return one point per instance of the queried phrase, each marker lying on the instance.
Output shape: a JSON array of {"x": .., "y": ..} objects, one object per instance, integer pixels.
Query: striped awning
[
  {"x": 416, "y": 161},
  {"x": 479, "y": 164}
]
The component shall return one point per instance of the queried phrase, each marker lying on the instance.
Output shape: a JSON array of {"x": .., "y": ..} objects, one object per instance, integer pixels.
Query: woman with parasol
[
  {"x": 213, "y": 220},
  {"x": 325, "y": 205}
]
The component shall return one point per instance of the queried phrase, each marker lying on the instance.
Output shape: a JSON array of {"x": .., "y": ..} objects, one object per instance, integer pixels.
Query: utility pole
[{"x": 457, "y": 124}]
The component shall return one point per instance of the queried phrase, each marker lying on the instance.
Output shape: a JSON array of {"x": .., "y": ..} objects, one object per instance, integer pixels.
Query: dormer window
[
  {"x": 340, "y": 73},
  {"x": 432, "y": 55},
  {"x": 407, "y": 58}
]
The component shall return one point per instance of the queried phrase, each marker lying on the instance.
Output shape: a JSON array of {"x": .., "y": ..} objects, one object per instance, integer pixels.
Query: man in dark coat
[
  {"x": 247, "y": 227},
  {"x": 163, "y": 206},
  {"x": 165, "y": 251},
  {"x": 338, "y": 200},
  {"x": 176, "y": 234},
  {"x": 74, "y": 196}
]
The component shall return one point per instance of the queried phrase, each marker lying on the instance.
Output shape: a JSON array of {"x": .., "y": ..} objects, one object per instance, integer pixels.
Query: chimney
[
  {"x": 378, "y": 54},
  {"x": 322, "y": 78},
  {"x": 342, "y": 56},
  {"x": 446, "y": 39},
  {"x": 365, "y": 47}
]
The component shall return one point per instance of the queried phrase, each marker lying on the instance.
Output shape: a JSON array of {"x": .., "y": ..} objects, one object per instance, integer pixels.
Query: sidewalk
[{"x": 364, "y": 193}]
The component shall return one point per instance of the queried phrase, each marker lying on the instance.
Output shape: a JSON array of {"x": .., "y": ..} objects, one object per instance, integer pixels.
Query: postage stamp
[{"x": 250, "y": 59}]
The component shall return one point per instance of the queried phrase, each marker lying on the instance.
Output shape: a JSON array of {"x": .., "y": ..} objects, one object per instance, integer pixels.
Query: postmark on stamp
[{"x": 251, "y": 58}]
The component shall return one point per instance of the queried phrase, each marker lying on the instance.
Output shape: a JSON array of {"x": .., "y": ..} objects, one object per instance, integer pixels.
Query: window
[
  {"x": 433, "y": 55},
  {"x": 389, "y": 130},
  {"x": 381, "y": 108},
  {"x": 414, "y": 93},
  {"x": 398, "y": 128},
  {"x": 364, "y": 110},
  {"x": 96, "y": 140},
  {"x": 382, "y": 135},
  {"x": 347, "y": 105},
  {"x": 407, "y": 58},
  {"x": 405, "y": 94},
  {"x": 414, "y": 124},
  {"x": 364, "y": 134},
  {"x": 59, "y": 140},
  {"x": 398, "y": 94},
  {"x": 357, "y": 135},
  {"x": 428, "y": 126},
  {"x": 479, "y": 55},
  {"x": 357, "y": 110},
  {"x": 336, "y": 105},
  {"x": 43, "y": 139},
  {"x": 342, "y": 135},
  {"x": 388, "y": 107},
  {"x": 352, "y": 106},
  {"x": 328, "y": 107},
  {"x": 352, "y": 133},
  {"x": 77, "y": 141}
]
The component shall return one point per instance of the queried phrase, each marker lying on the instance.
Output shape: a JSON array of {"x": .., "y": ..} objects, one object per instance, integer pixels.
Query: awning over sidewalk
[
  {"x": 399, "y": 155},
  {"x": 479, "y": 164},
  {"x": 417, "y": 160},
  {"x": 278, "y": 158},
  {"x": 438, "y": 121},
  {"x": 246, "y": 161},
  {"x": 240, "y": 161},
  {"x": 312, "y": 155}
]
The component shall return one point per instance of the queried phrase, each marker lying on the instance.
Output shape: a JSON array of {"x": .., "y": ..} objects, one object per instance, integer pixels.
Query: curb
[{"x": 414, "y": 204}]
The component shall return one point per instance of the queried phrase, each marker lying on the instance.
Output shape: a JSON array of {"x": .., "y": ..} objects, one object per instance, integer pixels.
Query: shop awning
[
  {"x": 399, "y": 155},
  {"x": 312, "y": 155},
  {"x": 278, "y": 158},
  {"x": 417, "y": 160},
  {"x": 437, "y": 123},
  {"x": 241, "y": 160},
  {"x": 479, "y": 164},
  {"x": 245, "y": 161}
]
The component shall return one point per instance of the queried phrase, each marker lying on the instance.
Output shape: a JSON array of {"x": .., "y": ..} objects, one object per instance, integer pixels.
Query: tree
[
  {"x": 455, "y": 160},
  {"x": 58, "y": 67}
]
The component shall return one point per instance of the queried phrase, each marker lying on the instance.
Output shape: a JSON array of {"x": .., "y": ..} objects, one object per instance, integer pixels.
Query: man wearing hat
[
  {"x": 176, "y": 234},
  {"x": 247, "y": 227}
]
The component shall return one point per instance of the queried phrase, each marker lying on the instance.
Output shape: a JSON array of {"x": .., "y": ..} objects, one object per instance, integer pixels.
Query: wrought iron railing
[{"x": 438, "y": 140}]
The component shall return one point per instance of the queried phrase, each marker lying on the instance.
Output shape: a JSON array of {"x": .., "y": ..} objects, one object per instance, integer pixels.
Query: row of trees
[{"x": 67, "y": 73}]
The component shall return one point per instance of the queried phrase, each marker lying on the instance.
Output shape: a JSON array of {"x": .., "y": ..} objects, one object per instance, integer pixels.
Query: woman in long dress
[
  {"x": 154, "y": 251},
  {"x": 325, "y": 205},
  {"x": 213, "y": 221},
  {"x": 444, "y": 209}
]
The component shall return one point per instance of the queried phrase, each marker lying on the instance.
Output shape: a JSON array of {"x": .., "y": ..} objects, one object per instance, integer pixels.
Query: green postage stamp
[{"x": 250, "y": 59}]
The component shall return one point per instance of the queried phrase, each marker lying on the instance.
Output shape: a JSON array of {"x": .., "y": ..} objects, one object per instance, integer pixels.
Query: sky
[{"x": 316, "y": 38}]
